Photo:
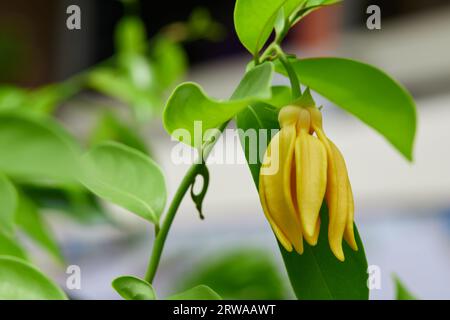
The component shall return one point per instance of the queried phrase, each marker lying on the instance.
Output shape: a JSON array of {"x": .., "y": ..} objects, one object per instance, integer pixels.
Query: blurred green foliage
[
  {"x": 401, "y": 292},
  {"x": 38, "y": 153},
  {"x": 242, "y": 274}
]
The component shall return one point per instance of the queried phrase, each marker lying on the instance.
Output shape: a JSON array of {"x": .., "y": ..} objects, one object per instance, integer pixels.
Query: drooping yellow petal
[
  {"x": 349, "y": 234},
  {"x": 275, "y": 186},
  {"x": 337, "y": 199},
  {"x": 338, "y": 191},
  {"x": 313, "y": 240},
  {"x": 278, "y": 233},
  {"x": 311, "y": 177}
]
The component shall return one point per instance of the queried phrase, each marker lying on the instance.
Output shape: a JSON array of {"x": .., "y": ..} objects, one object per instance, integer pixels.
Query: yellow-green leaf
[
  {"x": 20, "y": 280},
  {"x": 8, "y": 202},
  {"x": 189, "y": 106},
  {"x": 126, "y": 177},
  {"x": 132, "y": 288},
  {"x": 254, "y": 21},
  {"x": 366, "y": 92}
]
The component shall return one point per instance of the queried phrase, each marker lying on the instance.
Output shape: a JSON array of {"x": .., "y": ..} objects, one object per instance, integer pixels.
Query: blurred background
[{"x": 402, "y": 209}]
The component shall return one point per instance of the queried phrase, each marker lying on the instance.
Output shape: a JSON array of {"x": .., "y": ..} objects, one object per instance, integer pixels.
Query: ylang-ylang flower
[{"x": 306, "y": 169}]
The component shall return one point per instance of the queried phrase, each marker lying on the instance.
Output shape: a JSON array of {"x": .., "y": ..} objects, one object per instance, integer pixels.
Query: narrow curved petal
[
  {"x": 278, "y": 233},
  {"x": 349, "y": 234},
  {"x": 339, "y": 194},
  {"x": 337, "y": 199},
  {"x": 313, "y": 240},
  {"x": 276, "y": 185},
  {"x": 311, "y": 177}
]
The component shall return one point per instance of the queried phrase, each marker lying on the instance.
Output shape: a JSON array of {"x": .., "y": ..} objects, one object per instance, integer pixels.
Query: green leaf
[
  {"x": 188, "y": 104},
  {"x": 367, "y": 93},
  {"x": 256, "y": 117},
  {"x": 254, "y": 21},
  {"x": 130, "y": 35},
  {"x": 109, "y": 127},
  {"x": 126, "y": 177},
  {"x": 11, "y": 97},
  {"x": 76, "y": 202},
  {"x": 308, "y": 7},
  {"x": 138, "y": 69},
  {"x": 132, "y": 288},
  {"x": 112, "y": 83},
  {"x": 170, "y": 61},
  {"x": 201, "y": 26},
  {"x": 36, "y": 150},
  {"x": 10, "y": 247},
  {"x": 46, "y": 99},
  {"x": 131, "y": 44},
  {"x": 242, "y": 274},
  {"x": 43, "y": 100},
  {"x": 8, "y": 202},
  {"x": 22, "y": 281},
  {"x": 291, "y": 6},
  {"x": 29, "y": 219},
  {"x": 281, "y": 96},
  {"x": 298, "y": 9},
  {"x": 201, "y": 292},
  {"x": 316, "y": 274},
  {"x": 402, "y": 293}
]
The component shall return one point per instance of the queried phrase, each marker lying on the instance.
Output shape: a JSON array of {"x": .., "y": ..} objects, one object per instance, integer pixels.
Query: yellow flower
[{"x": 299, "y": 170}]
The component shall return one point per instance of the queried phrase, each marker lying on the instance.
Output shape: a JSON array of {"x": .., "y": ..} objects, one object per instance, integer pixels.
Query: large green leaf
[
  {"x": 8, "y": 202},
  {"x": 367, "y": 93},
  {"x": 132, "y": 288},
  {"x": 254, "y": 21},
  {"x": 125, "y": 177},
  {"x": 189, "y": 104},
  {"x": 36, "y": 150},
  {"x": 10, "y": 247},
  {"x": 22, "y": 281},
  {"x": 30, "y": 220},
  {"x": 316, "y": 274},
  {"x": 201, "y": 292}
]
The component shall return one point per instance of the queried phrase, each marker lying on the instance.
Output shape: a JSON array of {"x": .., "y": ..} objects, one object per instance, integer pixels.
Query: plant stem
[
  {"x": 279, "y": 53},
  {"x": 160, "y": 239},
  {"x": 293, "y": 78}
]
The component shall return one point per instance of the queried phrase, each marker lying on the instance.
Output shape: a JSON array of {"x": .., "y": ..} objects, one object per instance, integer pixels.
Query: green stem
[
  {"x": 268, "y": 52},
  {"x": 160, "y": 240},
  {"x": 293, "y": 78}
]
